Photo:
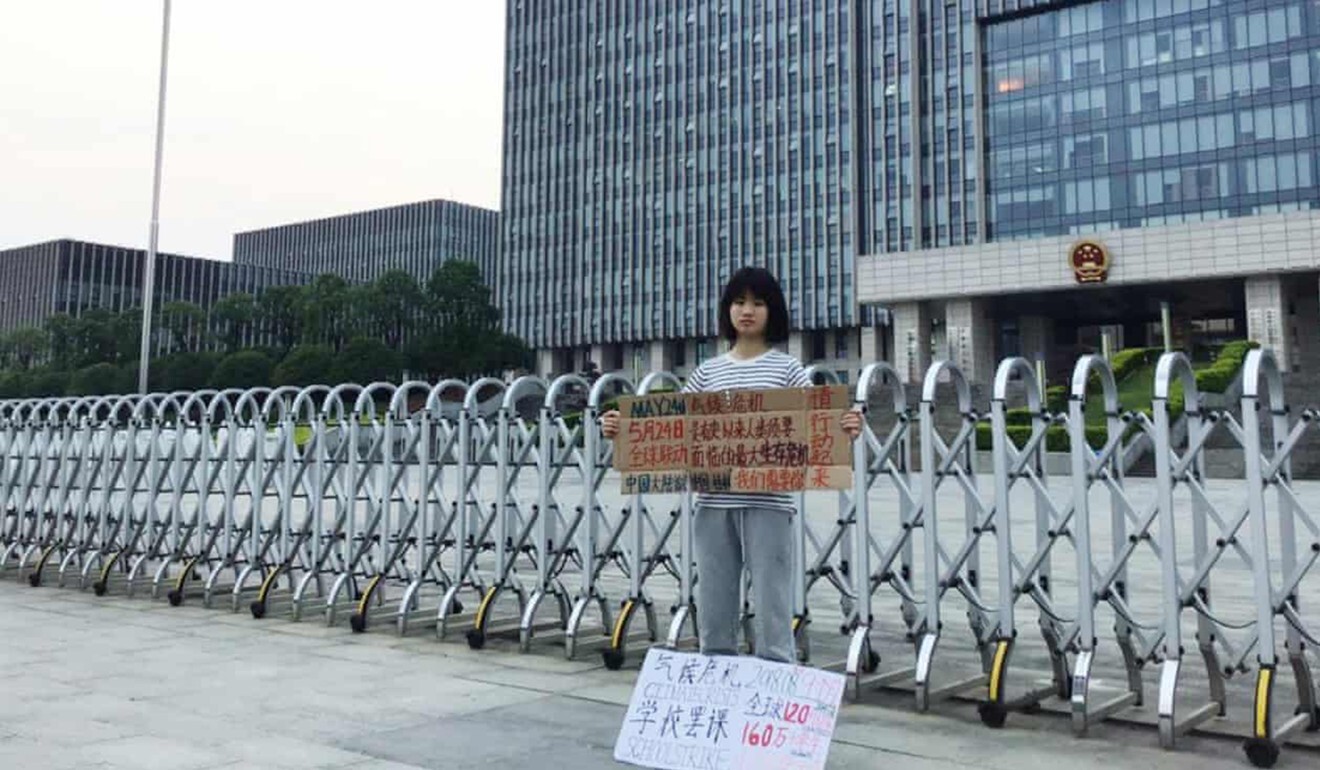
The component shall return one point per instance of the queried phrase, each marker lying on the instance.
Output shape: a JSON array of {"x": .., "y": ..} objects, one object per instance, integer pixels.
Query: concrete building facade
[{"x": 415, "y": 237}]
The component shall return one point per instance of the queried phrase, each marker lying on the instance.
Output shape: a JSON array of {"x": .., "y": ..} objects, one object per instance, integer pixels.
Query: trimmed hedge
[
  {"x": 1125, "y": 362},
  {"x": 1217, "y": 377},
  {"x": 1056, "y": 437}
]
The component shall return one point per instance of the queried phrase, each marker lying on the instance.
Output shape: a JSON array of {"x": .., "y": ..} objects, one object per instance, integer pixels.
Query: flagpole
[{"x": 149, "y": 270}]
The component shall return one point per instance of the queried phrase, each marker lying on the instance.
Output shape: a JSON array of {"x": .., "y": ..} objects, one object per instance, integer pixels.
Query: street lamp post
[{"x": 149, "y": 270}]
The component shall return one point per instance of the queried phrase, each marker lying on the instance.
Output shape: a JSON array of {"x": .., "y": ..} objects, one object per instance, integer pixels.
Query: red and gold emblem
[{"x": 1090, "y": 261}]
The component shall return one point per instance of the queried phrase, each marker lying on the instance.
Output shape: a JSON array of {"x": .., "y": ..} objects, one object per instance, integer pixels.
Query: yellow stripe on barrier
[
  {"x": 485, "y": 604},
  {"x": 109, "y": 565},
  {"x": 187, "y": 570},
  {"x": 266, "y": 584},
  {"x": 366, "y": 595},
  {"x": 620, "y": 623},
  {"x": 1263, "y": 702},
  {"x": 45, "y": 557},
  {"x": 997, "y": 670}
]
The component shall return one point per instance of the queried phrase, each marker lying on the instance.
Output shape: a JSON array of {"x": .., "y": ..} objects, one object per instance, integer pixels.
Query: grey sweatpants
[{"x": 726, "y": 539}]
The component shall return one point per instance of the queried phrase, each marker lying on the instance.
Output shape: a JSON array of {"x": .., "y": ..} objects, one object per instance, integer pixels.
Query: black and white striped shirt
[{"x": 772, "y": 369}]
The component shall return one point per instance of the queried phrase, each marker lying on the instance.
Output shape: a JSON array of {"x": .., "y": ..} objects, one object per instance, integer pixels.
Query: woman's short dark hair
[{"x": 761, "y": 284}]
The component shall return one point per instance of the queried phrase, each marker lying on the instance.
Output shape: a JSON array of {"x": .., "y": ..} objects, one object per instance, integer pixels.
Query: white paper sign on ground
[{"x": 696, "y": 712}]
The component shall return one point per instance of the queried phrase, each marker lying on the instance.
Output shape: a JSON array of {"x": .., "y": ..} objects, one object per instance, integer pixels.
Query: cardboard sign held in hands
[{"x": 779, "y": 440}]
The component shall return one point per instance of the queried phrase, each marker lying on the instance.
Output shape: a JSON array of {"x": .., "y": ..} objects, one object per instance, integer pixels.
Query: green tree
[
  {"x": 61, "y": 336},
  {"x": 46, "y": 383},
  {"x": 25, "y": 345},
  {"x": 184, "y": 371},
  {"x": 396, "y": 302},
  {"x": 459, "y": 299},
  {"x": 306, "y": 365},
  {"x": 13, "y": 384},
  {"x": 461, "y": 336},
  {"x": 186, "y": 324},
  {"x": 96, "y": 380},
  {"x": 279, "y": 312},
  {"x": 235, "y": 315},
  {"x": 127, "y": 333},
  {"x": 244, "y": 369},
  {"x": 94, "y": 338},
  {"x": 326, "y": 310},
  {"x": 364, "y": 360}
]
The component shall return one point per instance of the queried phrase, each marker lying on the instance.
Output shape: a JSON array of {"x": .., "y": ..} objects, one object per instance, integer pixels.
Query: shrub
[
  {"x": 365, "y": 361},
  {"x": 96, "y": 380},
  {"x": 186, "y": 371},
  {"x": 306, "y": 365},
  {"x": 1125, "y": 362},
  {"x": 244, "y": 369}
]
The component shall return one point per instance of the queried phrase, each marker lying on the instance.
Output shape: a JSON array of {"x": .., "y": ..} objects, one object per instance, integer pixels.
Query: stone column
[
  {"x": 872, "y": 345},
  {"x": 971, "y": 336},
  {"x": 1267, "y": 317},
  {"x": 797, "y": 346},
  {"x": 660, "y": 356},
  {"x": 545, "y": 363},
  {"x": 911, "y": 340}
]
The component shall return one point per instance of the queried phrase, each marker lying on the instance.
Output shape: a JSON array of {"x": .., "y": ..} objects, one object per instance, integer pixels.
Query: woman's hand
[
  {"x": 851, "y": 422},
  {"x": 609, "y": 424}
]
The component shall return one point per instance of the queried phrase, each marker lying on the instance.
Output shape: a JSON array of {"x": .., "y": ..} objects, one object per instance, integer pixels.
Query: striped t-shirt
[{"x": 771, "y": 369}]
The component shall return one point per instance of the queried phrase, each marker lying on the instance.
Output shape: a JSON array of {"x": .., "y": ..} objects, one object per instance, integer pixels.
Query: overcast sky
[{"x": 277, "y": 111}]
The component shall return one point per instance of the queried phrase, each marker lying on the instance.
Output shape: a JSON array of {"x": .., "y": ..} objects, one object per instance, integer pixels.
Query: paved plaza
[{"x": 129, "y": 683}]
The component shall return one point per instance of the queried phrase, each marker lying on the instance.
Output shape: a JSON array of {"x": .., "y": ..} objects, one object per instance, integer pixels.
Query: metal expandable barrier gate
[{"x": 491, "y": 508}]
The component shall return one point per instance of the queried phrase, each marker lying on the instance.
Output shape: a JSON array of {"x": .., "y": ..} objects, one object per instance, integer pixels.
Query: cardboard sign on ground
[
  {"x": 692, "y": 711},
  {"x": 780, "y": 440}
]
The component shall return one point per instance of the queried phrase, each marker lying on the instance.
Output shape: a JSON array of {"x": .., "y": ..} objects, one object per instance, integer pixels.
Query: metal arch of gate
[
  {"x": 98, "y": 539},
  {"x": 11, "y": 419},
  {"x": 66, "y": 484},
  {"x": 562, "y": 462},
  {"x": 516, "y": 517},
  {"x": 192, "y": 461},
  {"x": 818, "y": 554},
  {"x": 152, "y": 544},
  {"x": 598, "y": 537},
  {"x": 439, "y": 472},
  {"x": 222, "y": 540},
  {"x": 1277, "y": 593},
  {"x": 1181, "y": 485},
  {"x": 332, "y": 460},
  {"x": 29, "y": 448},
  {"x": 478, "y": 448},
  {"x": 943, "y": 461},
  {"x": 404, "y": 481},
  {"x": 274, "y": 471},
  {"x": 142, "y": 475},
  {"x": 367, "y": 474},
  {"x": 205, "y": 523},
  {"x": 1105, "y": 584},
  {"x": 74, "y": 514},
  {"x": 288, "y": 551},
  {"x": 48, "y": 498},
  {"x": 645, "y": 547},
  {"x": 879, "y": 464},
  {"x": 1031, "y": 577}
]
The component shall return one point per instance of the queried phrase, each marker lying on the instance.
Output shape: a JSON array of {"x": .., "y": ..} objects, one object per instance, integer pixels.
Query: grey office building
[
  {"x": 653, "y": 148},
  {"x": 1134, "y": 161},
  {"x": 73, "y": 277},
  {"x": 416, "y": 238},
  {"x": 901, "y": 162}
]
